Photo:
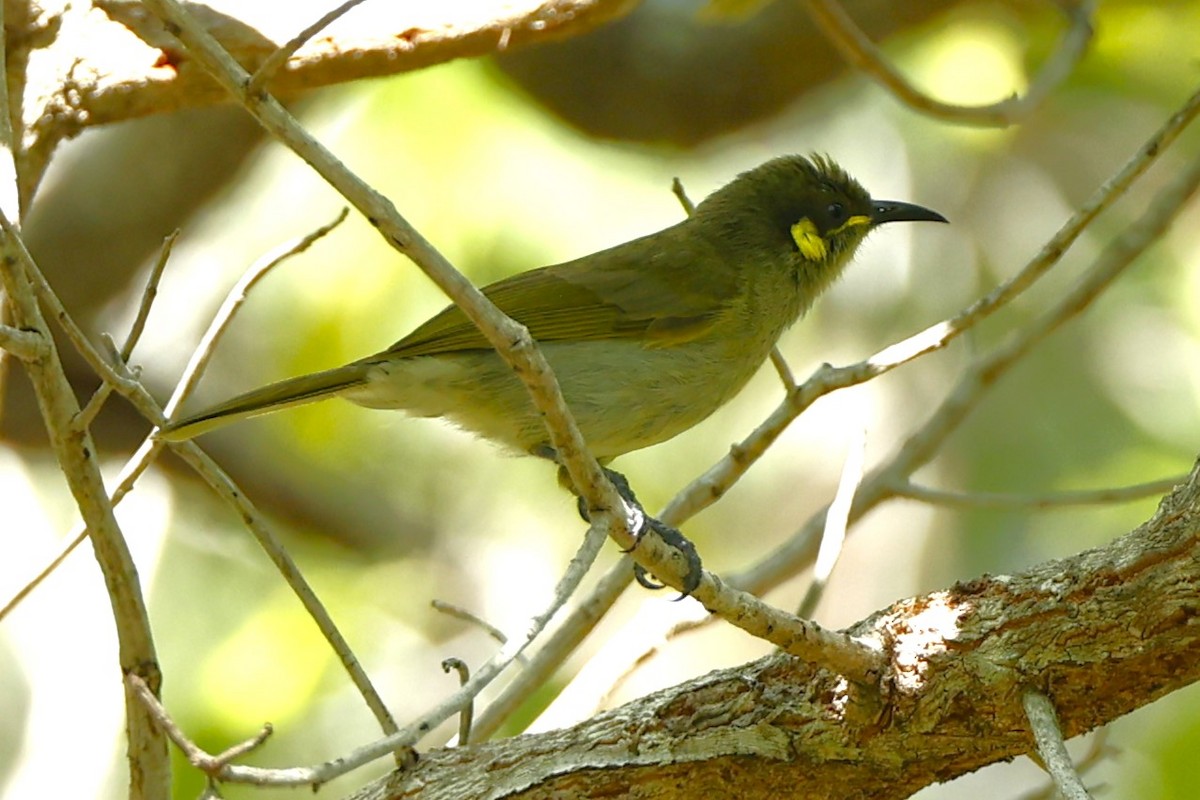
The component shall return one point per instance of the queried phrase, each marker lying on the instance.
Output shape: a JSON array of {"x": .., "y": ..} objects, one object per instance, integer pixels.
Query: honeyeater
[{"x": 646, "y": 338}]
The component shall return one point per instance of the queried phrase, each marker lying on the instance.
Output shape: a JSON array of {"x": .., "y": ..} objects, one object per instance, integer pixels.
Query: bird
[{"x": 647, "y": 338}]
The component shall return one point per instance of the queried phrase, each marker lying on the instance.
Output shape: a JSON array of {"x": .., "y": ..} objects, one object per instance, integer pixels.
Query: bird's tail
[{"x": 284, "y": 394}]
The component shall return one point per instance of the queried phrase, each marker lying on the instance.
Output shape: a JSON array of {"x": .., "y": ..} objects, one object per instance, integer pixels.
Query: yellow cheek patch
[
  {"x": 854, "y": 222},
  {"x": 812, "y": 246}
]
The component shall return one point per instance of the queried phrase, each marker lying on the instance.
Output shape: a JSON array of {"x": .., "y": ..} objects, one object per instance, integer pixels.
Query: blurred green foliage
[{"x": 500, "y": 184}]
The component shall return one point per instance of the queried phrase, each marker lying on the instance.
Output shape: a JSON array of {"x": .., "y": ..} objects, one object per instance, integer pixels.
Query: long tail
[{"x": 284, "y": 394}]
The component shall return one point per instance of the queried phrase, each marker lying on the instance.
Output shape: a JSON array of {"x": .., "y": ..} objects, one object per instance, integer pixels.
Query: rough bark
[{"x": 1101, "y": 633}]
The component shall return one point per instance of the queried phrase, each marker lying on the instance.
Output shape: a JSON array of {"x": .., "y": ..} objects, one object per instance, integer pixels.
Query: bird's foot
[{"x": 665, "y": 532}]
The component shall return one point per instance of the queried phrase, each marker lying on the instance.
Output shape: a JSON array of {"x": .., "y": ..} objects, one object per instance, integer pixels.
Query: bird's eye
[{"x": 836, "y": 212}]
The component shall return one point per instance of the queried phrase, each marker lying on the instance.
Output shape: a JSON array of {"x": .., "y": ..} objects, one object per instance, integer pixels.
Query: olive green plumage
[{"x": 646, "y": 339}]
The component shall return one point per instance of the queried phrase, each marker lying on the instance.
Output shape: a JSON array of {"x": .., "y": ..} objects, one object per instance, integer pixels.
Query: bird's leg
[{"x": 665, "y": 532}]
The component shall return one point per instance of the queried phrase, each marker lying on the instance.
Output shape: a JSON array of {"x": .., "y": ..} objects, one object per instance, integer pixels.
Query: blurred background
[{"x": 544, "y": 155}]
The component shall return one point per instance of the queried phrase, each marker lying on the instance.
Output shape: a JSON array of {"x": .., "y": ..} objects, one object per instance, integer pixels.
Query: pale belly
[{"x": 623, "y": 396}]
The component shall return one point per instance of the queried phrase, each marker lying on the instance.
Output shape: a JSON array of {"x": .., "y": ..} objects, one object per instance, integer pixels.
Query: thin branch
[
  {"x": 224, "y": 487},
  {"x": 1080, "y": 497},
  {"x": 634, "y": 644},
  {"x": 581, "y": 621},
  {"x": 1043, "y": 722},
  {"x": 680, "y": 193},
  {"x": 25, "y": 345},
  {"x": 1098, "y": 750},
  {"x": 230, "y": 306},
  {"x": 148, "y": 296},
  {"x": 240, "y": 749},
  {"x": 468, "y": 712},
  {"x": 384, "y": 39},
  {"x": 458, "y": 612},
  {"x": 46, "y": 572},
  {"x": 201, "y": 760},
  {"x": 836, "y": 522},
  {"x": 149, "y": 764},
  {"x": 449, "y": 706},
  {"x": 99, "y": 397},
  {"x": 149, "y": 449},
  {"x": 277, "y": 59},
  {"x": 120, "y": 358},
  {"x": 216, "y": 478},
  {"x": 860, "y": 52},
  {"x": 266, "y": 538},
  {"x": 783, "y": 370}
]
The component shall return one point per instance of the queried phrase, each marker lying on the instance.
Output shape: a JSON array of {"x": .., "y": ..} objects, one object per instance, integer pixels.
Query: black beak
[{"x": 894, "y": 211}]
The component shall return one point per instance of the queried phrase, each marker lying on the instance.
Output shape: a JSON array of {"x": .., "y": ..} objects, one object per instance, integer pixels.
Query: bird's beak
[{"x": 895, "y": 211}]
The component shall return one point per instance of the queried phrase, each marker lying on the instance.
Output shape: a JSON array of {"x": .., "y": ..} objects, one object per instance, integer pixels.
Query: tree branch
[
  {"x": 860, "y": 52},
  {"x": 960, "y": 661},
  {"x": 149, "y": 766}
]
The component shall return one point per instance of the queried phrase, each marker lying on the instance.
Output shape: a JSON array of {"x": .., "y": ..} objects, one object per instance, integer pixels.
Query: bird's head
[{"x": 804, "y": 210}]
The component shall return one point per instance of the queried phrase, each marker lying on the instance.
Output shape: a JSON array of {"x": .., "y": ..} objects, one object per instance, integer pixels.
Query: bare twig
[
  {"x": 570, "y": 633},
  {"x": 201, "y": 760},
  {"x": 783, "y": 370},
  {"x": 1098, "y": 750},
  {"x": 266, "y": 538},
  {"x": 277, "y": 59},
  {"x": 859, "y": 51},
  {"x": 216, "y": 478},
  {"x": 634, "y": 644},
  {"x": 224, "y": 487},
  {"x": 468, "y": 711},
  {"x": 25, "y": 345},
  {"x": 99, "y": 397},
  {"x": 233, "y": 302},
  {"x": 405, "y": 737},
  {"x": 150, "y": 448},
  {"x": 836, "y": 522},
  {"x": 458, "y": 612},
  {"x": 680, "y": 193},
  {"x": 1043, "y": 722},
  {"x": 46, "y": 572},
  {"x": 148, "y": 295},
  {"x": 149, "y": 765},
  {"x": 860, "y": 661},
  {"x": 120, "y": 358},
  {"x": 1081, "y": 497}
]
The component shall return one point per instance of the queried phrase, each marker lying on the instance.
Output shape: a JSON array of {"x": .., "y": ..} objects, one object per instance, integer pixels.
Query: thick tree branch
[
  {"x": 85, "y": 64},
  {"x": 960, "y": 660}
]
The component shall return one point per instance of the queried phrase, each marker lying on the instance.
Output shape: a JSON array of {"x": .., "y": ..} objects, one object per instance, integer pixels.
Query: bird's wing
[{"x": 649, "y": 289}]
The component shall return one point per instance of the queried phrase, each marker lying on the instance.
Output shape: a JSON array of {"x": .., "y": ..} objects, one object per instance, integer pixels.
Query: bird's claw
[
  {"x": 695, "y": 569},
  {"x": 665, "y": 532}
]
